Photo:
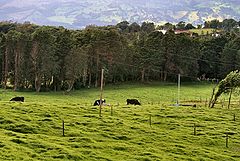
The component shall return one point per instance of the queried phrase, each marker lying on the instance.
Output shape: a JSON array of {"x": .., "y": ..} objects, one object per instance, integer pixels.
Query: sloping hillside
[{"x": 78, "y": 14}]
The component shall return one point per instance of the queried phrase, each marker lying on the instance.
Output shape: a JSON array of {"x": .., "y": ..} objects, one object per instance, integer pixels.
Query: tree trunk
[
  {"x": 85, "y": 76},
  {"x": 3, "y": 68},
  {"x": 122, "y": 78},
  {"x": 114, "y": 79},
  {"x": 54, "y": 84},
  {"x": 34, "y": 53},
  {"x": 37, "y": 83},
  {"x": 89, "y": 78},
  {"x": 143, "y": 74},
  {"x": 165, "y": 76},
  {"x": 148, "y": 75},
  {"x": 229, "y": 100},
  {"x": 17, "y": 66},
  {"x": 212, "y": 100},
  {"x": 96, "y": 81},
  {"x": 70, "y": 85},
  {"x": 161, "y": 75},
  {"x": 6, "y": 68}
]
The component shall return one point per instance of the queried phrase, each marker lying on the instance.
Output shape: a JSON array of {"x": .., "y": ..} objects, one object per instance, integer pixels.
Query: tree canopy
[{"x": 44, "y": 58}]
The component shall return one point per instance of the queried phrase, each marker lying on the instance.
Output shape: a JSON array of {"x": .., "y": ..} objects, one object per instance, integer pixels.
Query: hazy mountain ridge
[{"x": 77, "y": 14}]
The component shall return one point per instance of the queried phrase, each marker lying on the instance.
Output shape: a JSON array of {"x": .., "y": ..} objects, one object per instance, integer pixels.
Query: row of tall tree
[
  {"x": 226, "y": 25},
  {"x": 56, "y": 58}
]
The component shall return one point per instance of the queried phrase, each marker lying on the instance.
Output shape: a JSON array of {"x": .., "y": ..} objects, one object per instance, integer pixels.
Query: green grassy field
[
  {"x": 204, "y": 31},
  {"x": 33, "y": 130}
]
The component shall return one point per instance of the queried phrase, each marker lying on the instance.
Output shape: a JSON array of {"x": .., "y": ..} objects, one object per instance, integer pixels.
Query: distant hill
[{"x": 78, "y": 14}]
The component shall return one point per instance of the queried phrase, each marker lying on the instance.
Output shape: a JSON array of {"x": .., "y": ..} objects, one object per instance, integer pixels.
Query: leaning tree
[{"x": 230, "y": 83}]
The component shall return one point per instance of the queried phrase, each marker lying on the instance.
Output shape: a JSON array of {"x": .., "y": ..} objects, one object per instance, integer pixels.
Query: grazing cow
[
  {"x": 133, "y": 102},
  {"x": 97, "y": 102},
  {"x": 19, "y": 99}
]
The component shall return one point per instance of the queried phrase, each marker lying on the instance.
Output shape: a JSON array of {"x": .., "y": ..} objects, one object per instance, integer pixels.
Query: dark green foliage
[
  {"x": 229, "y": 24},
  {"x": 123, "y": 26},
  {"x": 181, "y": 25},
  {"x": 147, "y": 27},
  {"x": 210, "y": 63},
  {"x": 230, "y": 56},
  {"x": 216, "y": 24},
  {"x": 189, "y": 26},
  {"x": 134, "y": 27},
  {"x": 7, "y": 26}
]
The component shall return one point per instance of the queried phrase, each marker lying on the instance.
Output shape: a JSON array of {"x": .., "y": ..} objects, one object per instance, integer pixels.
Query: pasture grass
[
  {"x": 32, "y": 130},
  {"x": 204, "y": 31}
]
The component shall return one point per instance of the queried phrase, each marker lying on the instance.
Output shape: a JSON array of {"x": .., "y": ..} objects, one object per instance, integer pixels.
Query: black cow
[
  {"x": 19, "y": 99},
  {"x": 97, "y": 102},
  {"x": 133, "y": 102}
]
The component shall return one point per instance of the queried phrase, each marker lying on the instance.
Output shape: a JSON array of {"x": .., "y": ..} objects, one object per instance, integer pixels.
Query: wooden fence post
[
  {"x": 227, "y": 140},
  {"x": 63, "y": 128},
  {"x": 206, "y": 102},
  {"x": 229, "y": 100},
  {"x": 194, "y": 129},
  {"x": 101, "y": 93},
  {"x": 150, "y": 120}
]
